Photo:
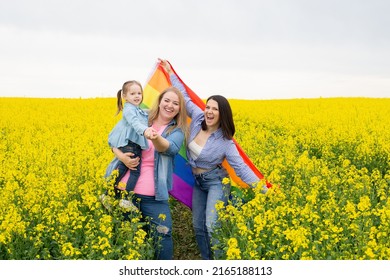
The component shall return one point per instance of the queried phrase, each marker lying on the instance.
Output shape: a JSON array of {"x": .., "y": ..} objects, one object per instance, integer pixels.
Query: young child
[{"x": 128, "y": 135}]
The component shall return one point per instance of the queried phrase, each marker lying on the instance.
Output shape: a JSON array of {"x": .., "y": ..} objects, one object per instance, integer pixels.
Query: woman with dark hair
[{"x": 209, "y": 144}]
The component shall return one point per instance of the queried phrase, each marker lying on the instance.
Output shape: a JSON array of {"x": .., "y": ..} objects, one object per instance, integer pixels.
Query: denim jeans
[
  {"x": 122, "y": 168},
  {"x": 160, "y": 228},
  {"x": 208, "y": 190}
]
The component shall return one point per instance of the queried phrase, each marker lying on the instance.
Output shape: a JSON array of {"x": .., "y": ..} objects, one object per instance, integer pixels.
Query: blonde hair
[
  {"x": 181, "y": 117},
  {"x": 125, "y": 88}
]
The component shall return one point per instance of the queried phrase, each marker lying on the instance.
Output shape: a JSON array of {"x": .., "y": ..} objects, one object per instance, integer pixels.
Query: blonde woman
[{"x": 167, "y": 120}]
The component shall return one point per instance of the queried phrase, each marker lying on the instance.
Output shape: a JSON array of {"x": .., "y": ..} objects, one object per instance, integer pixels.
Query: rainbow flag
[{"x": 183, "y": 180}]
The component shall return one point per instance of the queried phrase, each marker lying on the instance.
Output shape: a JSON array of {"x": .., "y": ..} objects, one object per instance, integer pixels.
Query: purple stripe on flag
[{"x": 181, "y": 191}]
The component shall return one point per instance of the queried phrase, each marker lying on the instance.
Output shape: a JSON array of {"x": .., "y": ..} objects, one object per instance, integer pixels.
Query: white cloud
[{"x": 287, "y": 49}]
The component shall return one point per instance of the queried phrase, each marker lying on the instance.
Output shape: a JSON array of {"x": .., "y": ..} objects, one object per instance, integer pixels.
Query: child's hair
[{"x": 125, "y": 88}]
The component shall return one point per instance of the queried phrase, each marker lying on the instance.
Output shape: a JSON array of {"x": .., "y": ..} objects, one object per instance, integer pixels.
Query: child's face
[{"x": 133, "y": 95}]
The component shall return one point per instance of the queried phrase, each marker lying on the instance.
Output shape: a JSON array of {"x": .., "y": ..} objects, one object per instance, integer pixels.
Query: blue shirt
[
  {"x": 163, "y": 163},
  {"x": 217, "y": 147},
  {"x": 130, "y": 127}
]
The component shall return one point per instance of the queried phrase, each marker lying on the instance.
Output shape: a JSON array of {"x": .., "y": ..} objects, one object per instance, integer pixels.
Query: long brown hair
[
  {"x": 180, "y": 118},
  {"x": 125, "y": 88},
  {"x": 226, "y": 122}
]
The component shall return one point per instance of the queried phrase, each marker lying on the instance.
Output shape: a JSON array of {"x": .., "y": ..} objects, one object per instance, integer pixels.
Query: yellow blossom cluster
[
  {"x": 53, "y": 155},
  {"x": 328, "y": 160}
]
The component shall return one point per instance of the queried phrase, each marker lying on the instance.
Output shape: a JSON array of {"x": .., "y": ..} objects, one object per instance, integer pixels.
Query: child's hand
[
  {"x": 147, "y": 132},
  {"x": 150, "y": 133},
  {"x": 154, "y": 134}
]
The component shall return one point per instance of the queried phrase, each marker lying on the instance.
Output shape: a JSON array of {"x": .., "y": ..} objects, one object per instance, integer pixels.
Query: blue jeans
[
  {"x": 122, "y": 168},
  {"x": 159, "y": 228},
  {"x": 207, "y": 191}
]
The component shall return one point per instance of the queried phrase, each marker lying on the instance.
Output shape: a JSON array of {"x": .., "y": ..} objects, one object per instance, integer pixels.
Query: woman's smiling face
[
  {"x": 211, "y": 114},
  {"x": 169, "y": 105}
]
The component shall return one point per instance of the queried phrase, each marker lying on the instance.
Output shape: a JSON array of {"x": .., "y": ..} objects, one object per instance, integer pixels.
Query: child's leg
[
  {"x": 122, "y": 169},
  {"x": 134, "y": 174}
]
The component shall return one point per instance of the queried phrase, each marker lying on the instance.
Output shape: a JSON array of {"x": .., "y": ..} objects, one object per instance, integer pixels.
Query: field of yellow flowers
[{"x": 327, "y": 158}]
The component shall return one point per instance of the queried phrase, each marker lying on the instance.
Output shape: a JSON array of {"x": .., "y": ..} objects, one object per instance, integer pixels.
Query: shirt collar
[
  {"x": 218, "y": 133},
  {"x": 127, "y": 104}
]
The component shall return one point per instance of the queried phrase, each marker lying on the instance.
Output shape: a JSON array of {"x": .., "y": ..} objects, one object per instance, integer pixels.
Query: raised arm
[{"x": 192, "y": 109}]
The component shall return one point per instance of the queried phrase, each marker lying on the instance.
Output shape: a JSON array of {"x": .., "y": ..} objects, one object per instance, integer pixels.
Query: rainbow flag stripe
[{"x": 183, "y": 183}]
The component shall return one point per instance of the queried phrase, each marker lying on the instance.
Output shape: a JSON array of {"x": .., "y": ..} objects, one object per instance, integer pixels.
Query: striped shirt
[{"x": 217, "y": 147}]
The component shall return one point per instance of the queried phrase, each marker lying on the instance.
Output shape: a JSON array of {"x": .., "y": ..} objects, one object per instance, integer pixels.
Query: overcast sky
[{"x": 245, "y": 49}]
